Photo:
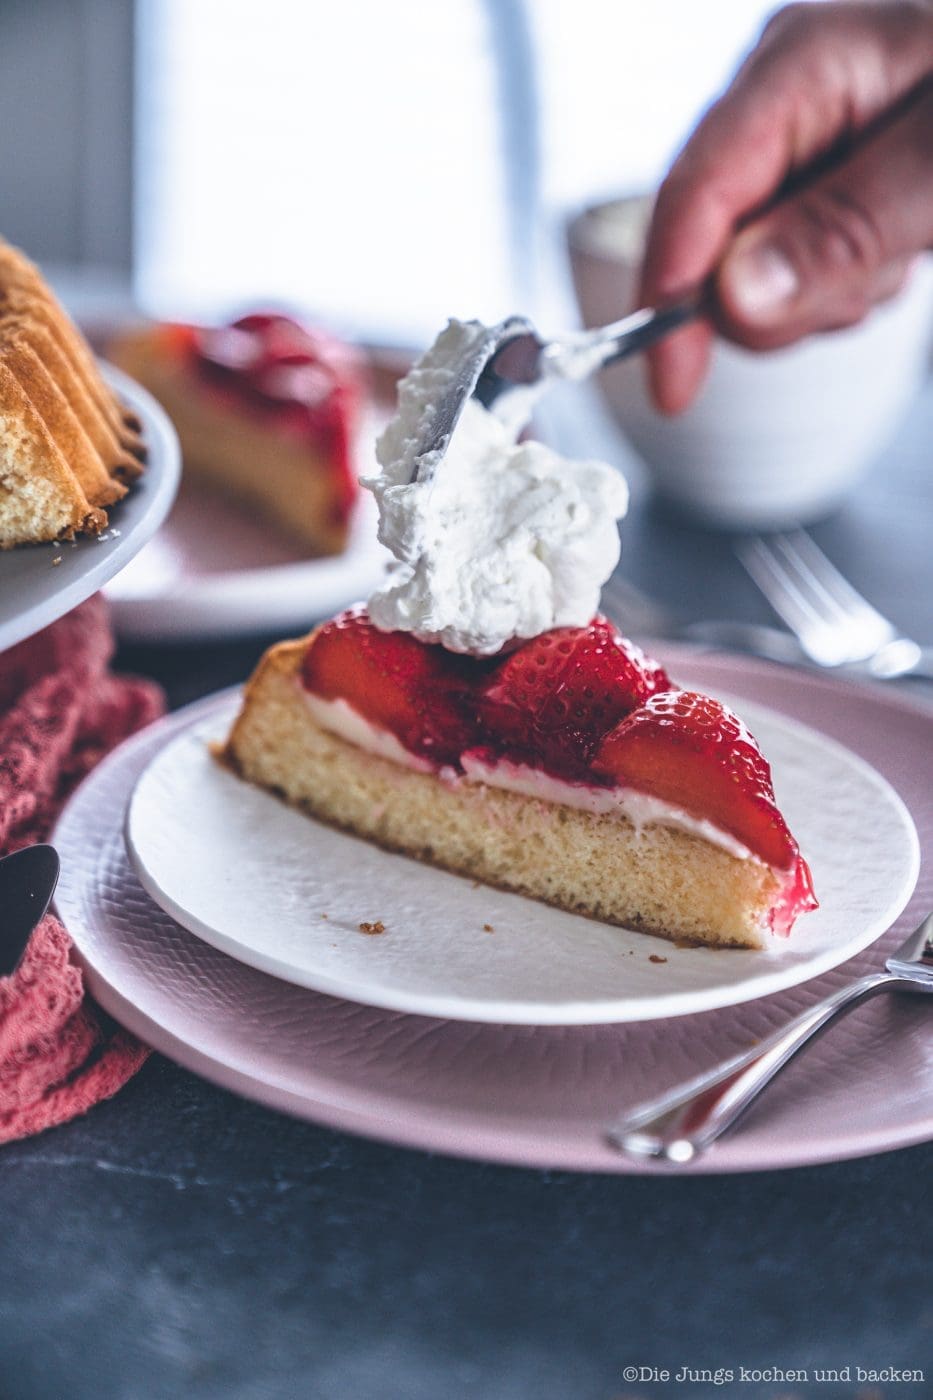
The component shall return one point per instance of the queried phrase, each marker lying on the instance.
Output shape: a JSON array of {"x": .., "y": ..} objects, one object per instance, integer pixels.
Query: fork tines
[{"x": 832, "y": 621}]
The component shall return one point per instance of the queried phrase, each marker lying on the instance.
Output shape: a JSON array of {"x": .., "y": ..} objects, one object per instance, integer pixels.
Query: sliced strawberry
[
  {"x": 282, "y": 338},
  {"x": 552, "y": 700},
  {"x": 694, "y": 752},
  {"x": 420, "y": 693}
]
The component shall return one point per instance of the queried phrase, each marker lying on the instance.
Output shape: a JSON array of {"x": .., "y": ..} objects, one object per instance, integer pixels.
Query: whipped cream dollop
[{"x": 504, "y": 540}]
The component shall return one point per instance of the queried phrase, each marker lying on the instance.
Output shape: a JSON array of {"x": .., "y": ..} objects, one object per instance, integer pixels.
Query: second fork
[{"x": 835, "y": 624}]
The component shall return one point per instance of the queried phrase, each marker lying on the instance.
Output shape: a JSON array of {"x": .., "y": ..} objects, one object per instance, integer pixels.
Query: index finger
[{"x": 820, "y": 74}]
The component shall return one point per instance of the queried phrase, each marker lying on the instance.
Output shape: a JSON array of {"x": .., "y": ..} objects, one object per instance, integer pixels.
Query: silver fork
[
  {"x": 834, "y": 624},
  {"x": 688, "y": 1119}
]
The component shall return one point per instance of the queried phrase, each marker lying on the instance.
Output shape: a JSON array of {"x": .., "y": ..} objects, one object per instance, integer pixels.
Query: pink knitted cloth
[{"x": 60, "y": 711}]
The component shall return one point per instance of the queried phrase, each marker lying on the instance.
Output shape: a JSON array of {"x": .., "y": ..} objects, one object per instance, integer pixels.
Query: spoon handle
[
  {"x": 582, "y": 355},
  {"x": 683, "y": 1123}
]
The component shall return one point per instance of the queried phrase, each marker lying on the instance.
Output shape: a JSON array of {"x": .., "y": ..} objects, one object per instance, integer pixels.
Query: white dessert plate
[
  {"x": 529, "y": 1095},
  {"x": 217, "y": 571},
  {"x": 292, "y": 896},
  {"x": 42, "y": 582}
]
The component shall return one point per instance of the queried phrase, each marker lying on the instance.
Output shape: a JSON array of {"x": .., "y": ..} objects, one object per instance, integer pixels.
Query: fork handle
[{"x": 684, "y": 1122}]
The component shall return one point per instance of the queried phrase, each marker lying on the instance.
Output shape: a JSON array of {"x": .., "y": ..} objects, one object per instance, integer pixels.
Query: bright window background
[
  {"x": 623, "y": 83},
  {"x": 354, "y": 159}
]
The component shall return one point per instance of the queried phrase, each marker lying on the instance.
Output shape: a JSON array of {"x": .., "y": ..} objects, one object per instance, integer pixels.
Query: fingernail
[{"x": 759, "y": 282}]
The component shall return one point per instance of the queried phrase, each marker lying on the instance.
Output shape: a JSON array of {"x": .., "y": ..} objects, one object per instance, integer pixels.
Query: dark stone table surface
[{"x": 179, "y": 1241}]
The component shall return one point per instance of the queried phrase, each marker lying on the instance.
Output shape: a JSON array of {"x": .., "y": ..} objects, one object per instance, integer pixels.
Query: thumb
[{"x": 825, "y": 255}]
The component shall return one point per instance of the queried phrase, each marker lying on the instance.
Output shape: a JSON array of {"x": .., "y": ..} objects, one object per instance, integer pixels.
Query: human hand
[{"x": 805, "y": 191}]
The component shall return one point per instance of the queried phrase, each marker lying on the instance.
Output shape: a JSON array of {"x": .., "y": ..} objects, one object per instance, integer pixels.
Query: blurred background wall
[
  {"x": 66, "y": 129},
  {"x": 381, "y": 165}
]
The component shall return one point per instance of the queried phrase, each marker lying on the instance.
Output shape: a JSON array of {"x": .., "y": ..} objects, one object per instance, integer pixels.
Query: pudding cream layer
[{"x": 641, "y": 809}]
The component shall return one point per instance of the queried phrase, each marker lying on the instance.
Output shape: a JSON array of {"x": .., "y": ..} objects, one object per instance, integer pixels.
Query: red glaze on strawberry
[
  {"x": 796, "y": 897},
  {"x": 690, "y": 750},
  {"x": 550, "y": 702},
  {"x": 307, "y": 380},
  {"x": 583, "y": 703},
  {"x": 421, "y": 694}
]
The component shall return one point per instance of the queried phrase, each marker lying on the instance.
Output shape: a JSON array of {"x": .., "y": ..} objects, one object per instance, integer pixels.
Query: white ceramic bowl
[{"x": 774, "y": 439}]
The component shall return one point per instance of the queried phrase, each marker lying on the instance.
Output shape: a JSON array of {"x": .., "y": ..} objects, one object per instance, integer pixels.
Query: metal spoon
[{"x": 510, "y": 367}]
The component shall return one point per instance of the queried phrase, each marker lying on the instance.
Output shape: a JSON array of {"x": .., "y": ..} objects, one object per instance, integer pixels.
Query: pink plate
[{"x": 533, "y": 1096}]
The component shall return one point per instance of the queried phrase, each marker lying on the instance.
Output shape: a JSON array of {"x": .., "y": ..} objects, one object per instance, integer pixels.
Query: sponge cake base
[{"x": 655, "y": 879}]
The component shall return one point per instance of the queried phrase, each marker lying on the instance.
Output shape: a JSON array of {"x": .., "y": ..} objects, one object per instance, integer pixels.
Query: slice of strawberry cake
[
  {"x": 477, "y": 714},
  {"x": 570, "y": 769},
  {"x": 267, "y": 411}
]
